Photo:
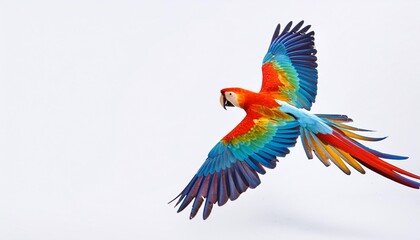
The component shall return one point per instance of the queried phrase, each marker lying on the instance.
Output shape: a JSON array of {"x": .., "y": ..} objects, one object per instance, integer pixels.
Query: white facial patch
[{"x": 231, "y": 97}]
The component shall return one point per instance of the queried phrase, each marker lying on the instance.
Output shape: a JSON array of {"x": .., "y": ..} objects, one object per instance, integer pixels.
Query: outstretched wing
[
  {"x": 232, "y": 165},
  {"x": 289, "y": 67}
]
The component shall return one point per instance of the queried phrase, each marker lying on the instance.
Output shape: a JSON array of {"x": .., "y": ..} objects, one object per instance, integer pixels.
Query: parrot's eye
[{"x": 230, "y": 95}]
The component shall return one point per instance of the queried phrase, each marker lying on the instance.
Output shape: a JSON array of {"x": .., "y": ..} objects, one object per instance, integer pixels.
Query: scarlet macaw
[{"x": 275, "y": 117}]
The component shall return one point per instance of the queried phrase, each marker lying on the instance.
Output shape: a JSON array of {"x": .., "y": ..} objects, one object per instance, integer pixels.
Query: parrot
[{"x": 275, "y": 117}]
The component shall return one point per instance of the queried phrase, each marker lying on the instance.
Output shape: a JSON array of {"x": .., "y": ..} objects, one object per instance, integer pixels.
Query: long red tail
[
  {"x": 369, "y": 159},
  {"x": 340, "y": 146}
]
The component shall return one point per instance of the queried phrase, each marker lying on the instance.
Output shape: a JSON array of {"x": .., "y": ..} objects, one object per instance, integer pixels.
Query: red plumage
[{"x": 369, "y": 159}]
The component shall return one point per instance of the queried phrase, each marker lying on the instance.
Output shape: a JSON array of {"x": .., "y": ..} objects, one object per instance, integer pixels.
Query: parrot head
[
  {"x": 230, "y": 97},
  {"x": 242, "y": 98}
]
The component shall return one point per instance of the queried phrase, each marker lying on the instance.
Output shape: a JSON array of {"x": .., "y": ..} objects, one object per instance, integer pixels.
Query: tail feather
[
  {"x": 305, "y": 143},
  {"x": 360, "y": 137},
  {"x": 376, "y": 153},
  {"x": 344, "y": 126},
  {"x": 351, "y": 161},
  {"x": 317, "y": 150},
  {"x": 340, "y": 147},
  {"x": 369, "y": 160},
  {"x": 352, "y": 135},
  {"x": 327, "y": 153}
]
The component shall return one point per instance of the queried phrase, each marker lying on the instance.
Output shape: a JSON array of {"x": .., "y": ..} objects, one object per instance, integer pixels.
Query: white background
[{"x": 108, "y": 108}]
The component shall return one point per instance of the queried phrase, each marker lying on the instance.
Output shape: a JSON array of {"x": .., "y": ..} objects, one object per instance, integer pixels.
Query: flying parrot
[{"x": 275, "y": 117}]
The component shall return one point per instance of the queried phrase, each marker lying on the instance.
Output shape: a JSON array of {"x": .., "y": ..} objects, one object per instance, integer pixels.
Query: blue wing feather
[
  {"x": 230, "y": 169},
  {"x": 293, "y": 51},
  {"x": 223, "y": 190}
]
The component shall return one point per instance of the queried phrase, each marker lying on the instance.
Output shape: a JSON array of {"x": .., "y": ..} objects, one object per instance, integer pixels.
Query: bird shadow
[{"x": 313, "y": 225}]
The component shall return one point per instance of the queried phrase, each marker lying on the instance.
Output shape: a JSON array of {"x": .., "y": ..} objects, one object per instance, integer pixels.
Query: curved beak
[{"x": 224, "y": 102}]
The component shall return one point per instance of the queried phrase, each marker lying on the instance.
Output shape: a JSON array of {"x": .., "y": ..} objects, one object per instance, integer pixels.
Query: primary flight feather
[{"x": 275, "y": 117}]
